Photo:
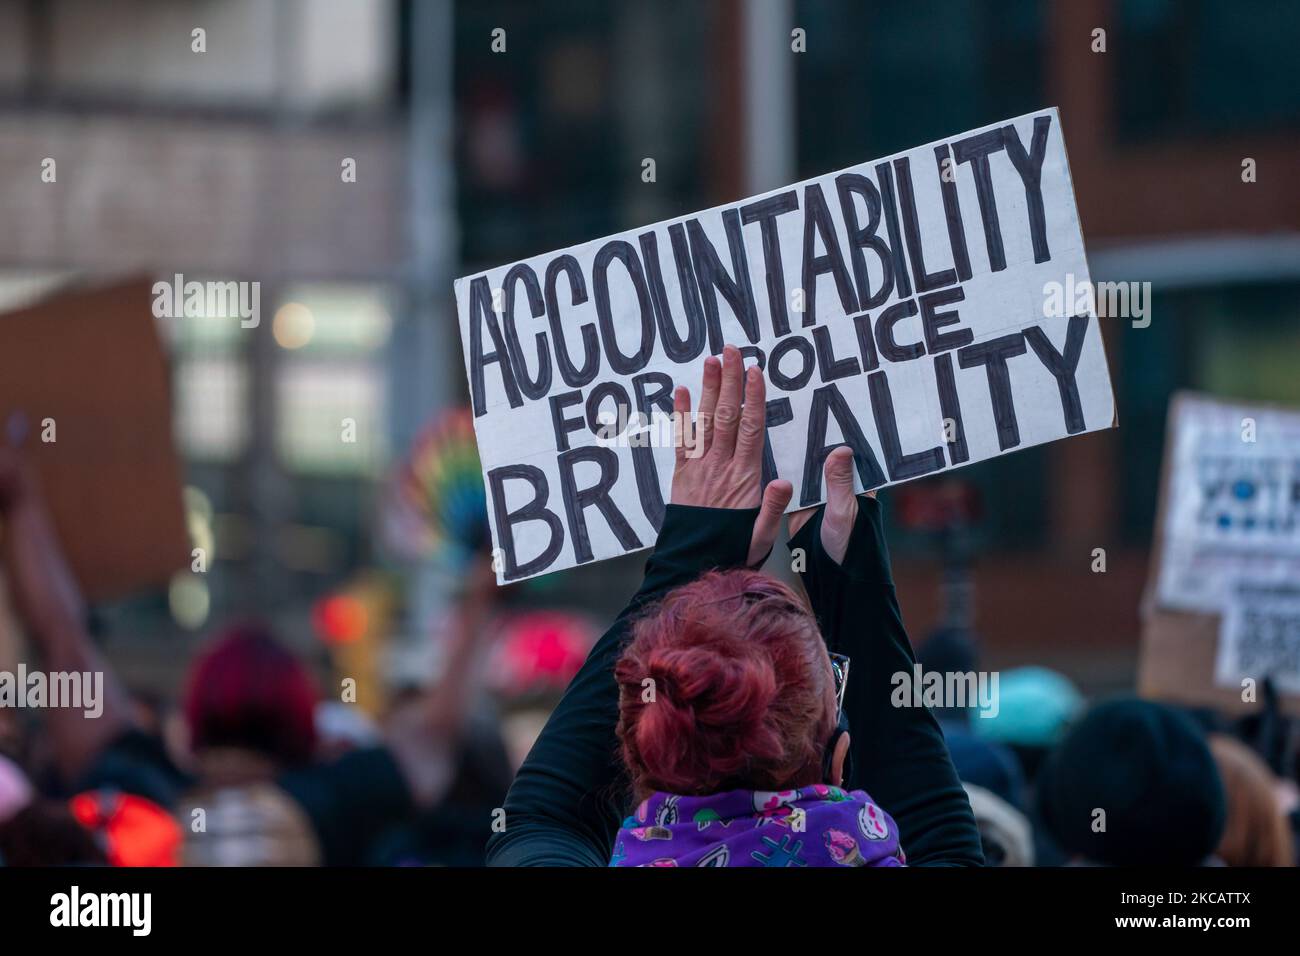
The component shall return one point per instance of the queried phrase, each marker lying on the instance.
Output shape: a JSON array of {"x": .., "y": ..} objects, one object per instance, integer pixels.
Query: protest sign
[
  {"x": 86, "y": 372},
  {"x": 1226, "y": 557},
  {"x": 910, "y": 307},
  {"x": 1260, "y": 636},
  {"x": 1231, "y": 502}
]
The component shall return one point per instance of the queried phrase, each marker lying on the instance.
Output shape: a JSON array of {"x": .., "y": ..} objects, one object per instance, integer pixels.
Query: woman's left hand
[{"x": 841, "y": 505}]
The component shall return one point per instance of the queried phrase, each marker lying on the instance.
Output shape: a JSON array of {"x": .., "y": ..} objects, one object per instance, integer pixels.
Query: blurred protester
[
  {"x": 1133, "y": 784},
  {"x": 451, "y": 833},
  {"x": 1036, "y": 706},
  {"x": 254, "y": 823},
  {"x": 1257, "y": 831},
  {"x": 93, "y": 828},
  {"x": 250, "y": 706},
  {"x": 987, "y": 765},
  {"x": 249, "y": 709},
  {"x": 340, "y": 728},
  {"x": 45, "y": 596},
  {"x": 728, "y": 705},
  {"x": 45, "y": 833},
  {"x": 1005, "y": 832},
  {"x": 950, "y": 650}
]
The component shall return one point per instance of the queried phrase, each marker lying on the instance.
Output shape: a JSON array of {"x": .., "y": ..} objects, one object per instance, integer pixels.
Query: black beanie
[{"x": 1148, "y": 767}]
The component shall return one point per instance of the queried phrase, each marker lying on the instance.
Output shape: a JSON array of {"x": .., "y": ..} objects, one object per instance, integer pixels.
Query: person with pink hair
[
  {"x": 249, "y": 708},
  {"x": 710, "y": 725}
]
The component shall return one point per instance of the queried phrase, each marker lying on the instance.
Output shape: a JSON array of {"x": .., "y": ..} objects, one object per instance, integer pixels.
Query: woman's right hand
[
  {"x": 841, "y": 505},
  {"x": 720, "y": 457}
]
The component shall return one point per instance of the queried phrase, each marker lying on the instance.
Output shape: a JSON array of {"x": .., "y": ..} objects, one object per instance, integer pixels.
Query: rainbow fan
[{"x": 439, "y": 505}]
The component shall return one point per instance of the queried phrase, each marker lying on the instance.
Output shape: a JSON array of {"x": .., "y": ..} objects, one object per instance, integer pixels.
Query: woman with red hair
[
  {"x": 250, "y": 700},
  {"x": 264, "y": 792},
  {"x": 718, "y": 706}
]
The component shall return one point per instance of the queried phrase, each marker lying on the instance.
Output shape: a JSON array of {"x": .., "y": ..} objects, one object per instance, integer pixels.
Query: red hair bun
[{"x": 741, "y": 693}]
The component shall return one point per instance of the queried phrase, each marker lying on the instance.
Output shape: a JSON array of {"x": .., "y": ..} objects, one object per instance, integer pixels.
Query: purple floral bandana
[{"x": 811, "y": 826}]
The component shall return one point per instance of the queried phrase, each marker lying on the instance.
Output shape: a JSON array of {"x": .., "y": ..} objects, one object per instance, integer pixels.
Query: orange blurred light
[
  {"x": 134, "y": 831},
  {"x": 340, "y": 619}
]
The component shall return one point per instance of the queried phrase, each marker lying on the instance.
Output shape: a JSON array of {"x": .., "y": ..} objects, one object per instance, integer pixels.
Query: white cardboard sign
[
  {"x": 1232, "y": 501},
  {"x": 1259, "y": 635},
  {"x": 927, "y": 309}
]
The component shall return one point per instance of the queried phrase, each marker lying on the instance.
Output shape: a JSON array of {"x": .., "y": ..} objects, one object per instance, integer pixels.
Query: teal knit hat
[{"x": 1035, "y": 707}]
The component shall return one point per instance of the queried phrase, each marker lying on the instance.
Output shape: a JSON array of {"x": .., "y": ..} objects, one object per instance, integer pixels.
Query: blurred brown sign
[{"x": 87, "y": 370}]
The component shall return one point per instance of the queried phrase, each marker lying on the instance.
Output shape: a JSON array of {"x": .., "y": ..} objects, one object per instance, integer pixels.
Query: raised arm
[
  {"x": 899, "y": 754},
  {"x": 424, "y": 736},
  {"x": 569, "y": 797},
  {"x": 48, "y": 602}
]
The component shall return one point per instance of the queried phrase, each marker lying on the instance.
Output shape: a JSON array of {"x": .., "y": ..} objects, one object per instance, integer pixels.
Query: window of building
[
  {"x": 899, "y": 74},
  {"x": 1202, "y": 67}
]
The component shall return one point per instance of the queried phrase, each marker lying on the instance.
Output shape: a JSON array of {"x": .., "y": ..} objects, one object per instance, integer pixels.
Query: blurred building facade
[
  {"x": 1161, "y": 110},
  {"x": 488, "y": 131},
  {"x": 255, "y": 141},
  {"x": 552, "y": 134}
]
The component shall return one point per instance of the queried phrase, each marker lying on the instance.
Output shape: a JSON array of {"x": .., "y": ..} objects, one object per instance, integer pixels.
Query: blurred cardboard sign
[
  {"x": 86, "y": 367},
  {"x": 1227, "y": 554}
]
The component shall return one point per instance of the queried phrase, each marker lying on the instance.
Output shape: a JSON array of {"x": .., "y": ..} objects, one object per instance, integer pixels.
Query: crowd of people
[{"x": 726, "y": 718}]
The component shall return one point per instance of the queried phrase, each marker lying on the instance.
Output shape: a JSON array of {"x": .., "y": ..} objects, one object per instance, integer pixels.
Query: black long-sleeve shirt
[
  {"x": 899, "y": 755},
  {"x": 572, "y": 792}
]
